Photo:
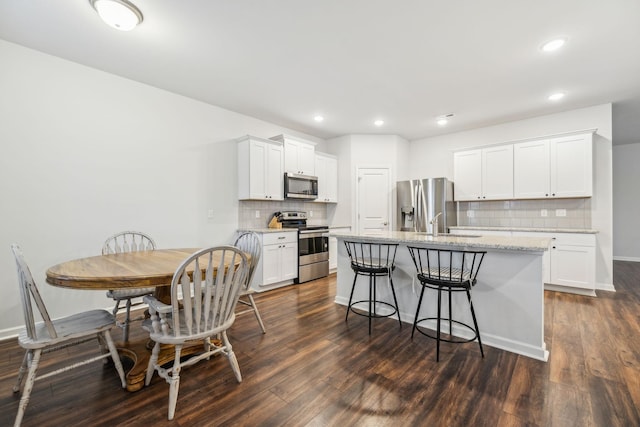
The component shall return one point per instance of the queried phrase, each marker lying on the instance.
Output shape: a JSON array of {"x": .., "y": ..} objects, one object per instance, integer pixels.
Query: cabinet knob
[
  {"x": 554, "y": 194},
  {"x": 546, "y": 195},
  {"x": 553, "y": 247}
]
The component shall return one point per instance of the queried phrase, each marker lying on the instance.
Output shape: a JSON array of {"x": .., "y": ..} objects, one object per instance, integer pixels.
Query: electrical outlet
[
  {"x": 543, "y": 212},
  {"x": 210, "y": 213},
  {"x": 257, "y": 214},
  {"x": 310, "y": 214},
  {"x": 561, "y": 212},
  {"x": 470, "y": 214}
]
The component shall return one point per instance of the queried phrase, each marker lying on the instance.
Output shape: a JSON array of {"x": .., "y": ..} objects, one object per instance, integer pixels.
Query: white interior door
[{"x": 373, "y": 200}]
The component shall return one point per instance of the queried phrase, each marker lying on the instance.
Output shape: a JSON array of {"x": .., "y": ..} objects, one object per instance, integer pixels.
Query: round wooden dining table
[{"x": 153, "y": 268}]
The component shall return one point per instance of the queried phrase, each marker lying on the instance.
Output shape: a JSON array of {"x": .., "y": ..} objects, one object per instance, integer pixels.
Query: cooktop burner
[{"x": 296, "y": 219}]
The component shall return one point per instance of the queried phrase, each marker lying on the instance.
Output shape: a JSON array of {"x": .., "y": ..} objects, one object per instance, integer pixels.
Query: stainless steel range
[{"x": 313, "y": 246}]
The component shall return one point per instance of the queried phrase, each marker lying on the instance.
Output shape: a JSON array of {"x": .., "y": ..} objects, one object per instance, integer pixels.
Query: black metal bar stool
[
  {"x": 372, "y": 260},
  {"x": 449, "y": 271}
]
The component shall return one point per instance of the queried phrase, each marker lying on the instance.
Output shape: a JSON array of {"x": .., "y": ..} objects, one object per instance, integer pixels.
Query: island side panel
[{"x": 508, "y": 298}]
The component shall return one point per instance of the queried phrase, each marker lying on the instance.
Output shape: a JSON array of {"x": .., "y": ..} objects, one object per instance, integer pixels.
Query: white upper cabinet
[
  {"x": 260, "y": 169},
  {"x": 299, "y": 155},
  {"x": 484, "y": 174},
  {"x": 572, "y": 166},
  {"x": 326, "y": 169},
  {"x": 555, "y": 167}
]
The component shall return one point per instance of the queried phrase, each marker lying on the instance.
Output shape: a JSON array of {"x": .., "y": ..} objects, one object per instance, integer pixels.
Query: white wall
[
  {"x": 355, "y": 151},
  {"x": 434, "y": 157},
  {"x": 86, "y": 154},
  {"x": 626, "y": 202}
]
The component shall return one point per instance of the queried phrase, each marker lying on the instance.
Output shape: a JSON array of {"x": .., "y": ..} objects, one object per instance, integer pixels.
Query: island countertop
[{"x": 527, "y": 244}]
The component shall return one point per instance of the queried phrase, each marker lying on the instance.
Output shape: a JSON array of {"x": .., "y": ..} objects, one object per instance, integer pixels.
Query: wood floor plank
[{"x": 312, "y": 368}]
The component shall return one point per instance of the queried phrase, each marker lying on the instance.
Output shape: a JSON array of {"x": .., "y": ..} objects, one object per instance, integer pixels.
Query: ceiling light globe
[
  {"x": 552, "y": 45},
  {"x": 318, "y": 119},
  {"x": 378, "y": 123},
  {"x": 556, "y": 96},
  {"x": 119, "y": 14},
  {"x": 442, "y": 122}
]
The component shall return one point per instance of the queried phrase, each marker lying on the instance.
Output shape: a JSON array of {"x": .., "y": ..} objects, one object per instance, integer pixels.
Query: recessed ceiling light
[
  {"x": 554, "y": 44},
  {"x": 378, "y": 123},
  {"x": 556, "y": 96},
  {"x": 119, "y": 14},
  {"x": 443, "y": 120},
  {"x": 318, "y": 118}
]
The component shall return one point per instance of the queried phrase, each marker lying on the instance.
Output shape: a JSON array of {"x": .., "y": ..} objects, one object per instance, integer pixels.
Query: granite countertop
[
  {"x": 269, "y": 230},
  {"x": 533, "y": 229},
  {"x": 525, "y": 244}
]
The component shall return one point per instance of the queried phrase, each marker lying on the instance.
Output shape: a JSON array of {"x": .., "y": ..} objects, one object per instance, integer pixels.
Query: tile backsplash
[
  {"x": 526, "y": 213},
  {"x": 247, "y": 210}
]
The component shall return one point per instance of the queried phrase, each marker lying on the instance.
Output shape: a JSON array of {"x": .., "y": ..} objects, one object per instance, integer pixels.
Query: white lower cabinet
[
  {"x": 279, "y": 263},
  {"x": 569, "y": 264}
]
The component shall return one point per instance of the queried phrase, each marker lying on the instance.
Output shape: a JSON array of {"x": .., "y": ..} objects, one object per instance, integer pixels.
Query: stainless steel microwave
[{"x": 300, "y": 186}]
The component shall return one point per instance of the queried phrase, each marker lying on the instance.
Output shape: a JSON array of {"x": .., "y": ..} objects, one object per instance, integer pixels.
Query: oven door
[{"x": 313, "y": 246}]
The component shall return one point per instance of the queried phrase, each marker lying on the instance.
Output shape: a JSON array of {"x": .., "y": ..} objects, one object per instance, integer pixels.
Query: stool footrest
[
  {"x": 456, "y": 340},
  {"x": 364, "y": 311}
]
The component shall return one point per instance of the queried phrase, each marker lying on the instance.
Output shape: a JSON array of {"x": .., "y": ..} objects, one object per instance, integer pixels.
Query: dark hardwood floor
[{"x": 312, "y": 368}]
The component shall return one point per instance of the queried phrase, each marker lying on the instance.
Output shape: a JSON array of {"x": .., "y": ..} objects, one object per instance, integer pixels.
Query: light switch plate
[
  {"x": 470, "y": 214},
  {"x": 543, "y": 212},
  {"x": 257, "y": 214},
  {"x": 561, "y": 212}
]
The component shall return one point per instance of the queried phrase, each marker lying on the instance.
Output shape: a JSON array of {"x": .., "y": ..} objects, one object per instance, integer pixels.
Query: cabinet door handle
[{"x": 281, "y": 237}]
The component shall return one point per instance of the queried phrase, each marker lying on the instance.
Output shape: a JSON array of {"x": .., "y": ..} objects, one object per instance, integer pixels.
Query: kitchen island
[{"x": 508, "y": 297}]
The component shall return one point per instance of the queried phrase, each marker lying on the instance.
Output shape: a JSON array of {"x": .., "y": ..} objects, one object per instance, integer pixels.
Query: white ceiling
[{"x": 354, "y": 61}]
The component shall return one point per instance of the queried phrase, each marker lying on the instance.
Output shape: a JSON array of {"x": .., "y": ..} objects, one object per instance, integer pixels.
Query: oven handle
[{"x": 313, "y": 233}]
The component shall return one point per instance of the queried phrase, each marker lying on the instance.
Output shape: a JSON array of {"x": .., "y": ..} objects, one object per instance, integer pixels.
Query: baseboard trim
[{"x": 626, "y": 258}]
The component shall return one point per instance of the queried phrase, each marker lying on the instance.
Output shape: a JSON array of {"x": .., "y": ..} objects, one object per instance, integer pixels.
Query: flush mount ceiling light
[
  {"x": 443, "y": 120},
  {"x": 553, "y": 45},
  {"x": 319, "y": 119},
  {"x": 378, "y": 123},
  {"x": 119, "y": 14},
  {"x": 556, "y": 96}
]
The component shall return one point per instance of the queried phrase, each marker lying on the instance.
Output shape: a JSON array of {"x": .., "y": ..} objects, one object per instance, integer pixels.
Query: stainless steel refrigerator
[{"x": 420, "y": 200}]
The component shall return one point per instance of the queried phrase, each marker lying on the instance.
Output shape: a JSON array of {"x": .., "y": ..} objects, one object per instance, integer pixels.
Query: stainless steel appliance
[
  {"x": 421, "y": 200},
  {"x": 313, "y": 246},
  {"x": 300, "y": 186}
]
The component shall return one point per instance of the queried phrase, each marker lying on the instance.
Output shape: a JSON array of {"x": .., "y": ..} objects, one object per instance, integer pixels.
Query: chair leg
[
  {"x": 438, "y": 325},
  {"x": 450, "y": 315},
  {"x": 31, "y": 378},
  {"x": 353, "y": 287},
  {"x": 174, "y": 383},
  {"x": 415, "y": 320},
  {"x": 475, "y": 322},
  {"x": 127, "y": 320},
  {"x": 153, "y": 361},
  {"x": 232, "y": 357},
  {"x": 257, "y": 313},
  {"x": 21, "y": 372},
  {"x": 372, "y": 298},
  {"x": 395, "y": 300},
  {"x": 115, "y": 356}
]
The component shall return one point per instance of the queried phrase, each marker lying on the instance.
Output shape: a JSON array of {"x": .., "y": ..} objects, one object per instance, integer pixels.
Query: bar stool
[
  {"x": 372, "y": 260},
  {"x": 448, "y": 271}
]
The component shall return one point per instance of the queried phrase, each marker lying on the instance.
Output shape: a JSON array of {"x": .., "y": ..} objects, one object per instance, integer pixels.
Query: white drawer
[
  {"x": 576, "y": 239},
  {"x": 278, "y": 238}
]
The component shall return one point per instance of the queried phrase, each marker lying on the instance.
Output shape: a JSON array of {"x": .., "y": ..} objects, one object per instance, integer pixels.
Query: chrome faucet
[{"x": 434, "y": 223}]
